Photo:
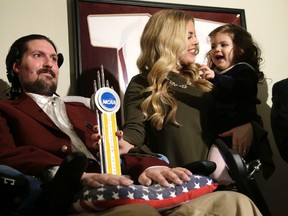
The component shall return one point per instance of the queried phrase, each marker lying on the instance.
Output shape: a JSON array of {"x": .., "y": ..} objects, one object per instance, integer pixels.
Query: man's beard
[{"x": 40, "y": 87}]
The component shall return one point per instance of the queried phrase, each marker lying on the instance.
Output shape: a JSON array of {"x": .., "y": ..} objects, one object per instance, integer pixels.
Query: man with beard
[{"x": 38, "y": 129}]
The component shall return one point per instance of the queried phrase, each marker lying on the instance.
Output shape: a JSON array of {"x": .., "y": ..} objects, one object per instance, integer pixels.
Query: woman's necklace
[{"x": 183, "y": 86}]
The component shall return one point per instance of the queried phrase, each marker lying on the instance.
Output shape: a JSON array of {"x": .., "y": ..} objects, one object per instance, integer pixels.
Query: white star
[
  {"x": 86, "y": 192},
  {"x": 158, "y": 187},
  {"x": 145, "y": 197},
  {"x": 209, "y": 181},
  {"x": 159, "y": 196},
  {"x": 115, "y": 195},
  {"x": 119, "y": 186},
  {"x": 101, "y": 189},
  {"x": 100, "y": 197},
  {"x": 185, "y": 189},
  {"x": 133, "y": 187},
  {"x": 196, "y": 185},
  {"x": 197, "y": 176},
  {"x": 171, "y": 185},
  {"x": 172, "y": 194},
  {"x": 146, "y": 189},
  {"x": 130, "y": 195}
]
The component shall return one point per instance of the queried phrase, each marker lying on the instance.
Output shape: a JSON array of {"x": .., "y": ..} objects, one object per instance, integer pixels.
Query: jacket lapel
[
  {"x": 31, "y": 108},
  {"x": 76, "y": 120}
]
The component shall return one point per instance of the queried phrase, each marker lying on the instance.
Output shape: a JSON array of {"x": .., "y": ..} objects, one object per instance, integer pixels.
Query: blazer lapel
[
  {"x": 76, "y": 120},
  {"x": 31, "y": 108}
]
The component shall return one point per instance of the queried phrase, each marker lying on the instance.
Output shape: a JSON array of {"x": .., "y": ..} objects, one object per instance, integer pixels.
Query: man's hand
[
  {"x": 96, "y": 180},
  {"x": 96, "y": 137},
  {"x": 162, "y": 175}
]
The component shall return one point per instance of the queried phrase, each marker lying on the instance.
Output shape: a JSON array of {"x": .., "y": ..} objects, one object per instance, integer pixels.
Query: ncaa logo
[{"x": 107, "y": 100}]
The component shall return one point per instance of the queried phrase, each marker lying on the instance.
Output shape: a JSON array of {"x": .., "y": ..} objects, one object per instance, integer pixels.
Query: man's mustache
[{"x": 46, "y": 70}]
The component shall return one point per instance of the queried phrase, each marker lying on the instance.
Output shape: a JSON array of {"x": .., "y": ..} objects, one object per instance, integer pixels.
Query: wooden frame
[{"x": 89, "y": 58}]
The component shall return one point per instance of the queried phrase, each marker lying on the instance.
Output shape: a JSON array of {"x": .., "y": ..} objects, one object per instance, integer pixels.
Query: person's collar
[
  {"x": 218, "y": 71},
  {"x": 40, "y": 99}
]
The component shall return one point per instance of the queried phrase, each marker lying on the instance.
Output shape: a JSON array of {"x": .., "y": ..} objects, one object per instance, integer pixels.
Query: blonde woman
[{"x": 168, "y": 106}]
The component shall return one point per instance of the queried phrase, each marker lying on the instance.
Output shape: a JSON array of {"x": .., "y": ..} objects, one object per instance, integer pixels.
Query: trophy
[{"x": 107, "y": 104}]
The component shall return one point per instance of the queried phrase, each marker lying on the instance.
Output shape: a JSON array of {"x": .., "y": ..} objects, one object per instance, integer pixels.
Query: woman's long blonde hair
[{"x": 163, "y": 42}]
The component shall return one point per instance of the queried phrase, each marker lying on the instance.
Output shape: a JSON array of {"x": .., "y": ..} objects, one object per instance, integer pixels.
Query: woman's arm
[{"x": 134, "y": 124}]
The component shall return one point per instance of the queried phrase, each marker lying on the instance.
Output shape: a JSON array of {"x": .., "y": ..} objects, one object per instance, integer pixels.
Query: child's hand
[{"x": 207, "y": 73}]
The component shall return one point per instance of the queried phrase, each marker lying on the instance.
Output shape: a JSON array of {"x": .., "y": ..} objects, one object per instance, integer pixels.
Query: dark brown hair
[{"x": 245, "y": 48}]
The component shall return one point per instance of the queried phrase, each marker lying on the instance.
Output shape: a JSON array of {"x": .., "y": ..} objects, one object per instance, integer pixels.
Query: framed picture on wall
[{"x": 107, "y": 32}]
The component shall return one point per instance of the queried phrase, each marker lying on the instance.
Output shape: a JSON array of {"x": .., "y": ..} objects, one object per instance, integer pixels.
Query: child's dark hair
[{"x": 245, "y": 48}]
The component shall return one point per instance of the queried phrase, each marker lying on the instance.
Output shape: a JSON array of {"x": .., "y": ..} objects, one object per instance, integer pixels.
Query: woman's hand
[
  {"x": 162, "y": 174},
  {"x": 96, "y": 180},
  {"x": 242, "y": 138},
  {"x": 124, "y": 146}
]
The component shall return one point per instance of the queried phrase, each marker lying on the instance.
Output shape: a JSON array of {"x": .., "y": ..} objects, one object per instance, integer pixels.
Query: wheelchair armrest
[
  {"x": 11, "y": 177},
  {"x": 13, "y": 185},
  {"x": 201, "y": 167},
  {"x": 236, "y": 165}
]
